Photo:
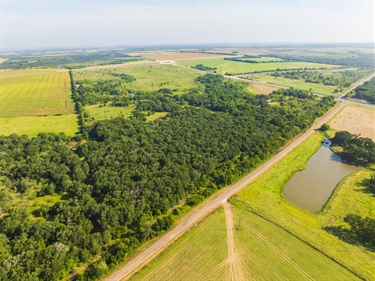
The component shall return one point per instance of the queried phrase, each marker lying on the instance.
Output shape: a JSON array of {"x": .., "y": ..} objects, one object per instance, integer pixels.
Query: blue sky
[{"x": 34, "y": 24}]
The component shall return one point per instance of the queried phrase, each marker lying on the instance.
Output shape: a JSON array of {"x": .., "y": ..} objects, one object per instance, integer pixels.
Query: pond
[{"x": 311, "y": 188}]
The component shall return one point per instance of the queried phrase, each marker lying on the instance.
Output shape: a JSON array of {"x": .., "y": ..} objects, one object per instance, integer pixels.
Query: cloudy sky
[{"x": 68, "y": 23}]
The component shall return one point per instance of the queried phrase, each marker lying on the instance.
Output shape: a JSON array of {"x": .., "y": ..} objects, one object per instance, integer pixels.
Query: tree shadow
[
  {"x": 368, "y": 186},
  {"x": 348, "y": 236}
]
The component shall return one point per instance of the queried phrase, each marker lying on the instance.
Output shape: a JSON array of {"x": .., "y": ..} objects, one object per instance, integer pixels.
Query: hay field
[
  {"x": 261, "y": 89},
  {"x": 356, "y": 120},
  {"x": 35, "y": 94},
  {"x": 234, "y": 67}
]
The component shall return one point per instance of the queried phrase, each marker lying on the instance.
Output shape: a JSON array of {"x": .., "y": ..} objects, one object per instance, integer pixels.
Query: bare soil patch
[{"x": 356, "y": 120}]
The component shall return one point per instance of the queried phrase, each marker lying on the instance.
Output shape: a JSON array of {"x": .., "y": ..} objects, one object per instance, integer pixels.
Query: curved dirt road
[{"x": 201, "y": 211}]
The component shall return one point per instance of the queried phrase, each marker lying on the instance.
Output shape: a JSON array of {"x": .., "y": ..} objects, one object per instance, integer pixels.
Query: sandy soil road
[{"x": 197, "y": 214}]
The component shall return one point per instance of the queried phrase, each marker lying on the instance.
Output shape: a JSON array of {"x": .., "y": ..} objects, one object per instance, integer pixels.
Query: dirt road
[{"x": 197, "y": 214}]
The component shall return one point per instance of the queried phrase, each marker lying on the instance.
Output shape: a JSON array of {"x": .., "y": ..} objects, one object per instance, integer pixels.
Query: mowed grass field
[
  {"x": 271, "y": 253},
  {"x": 198, "y": 255},
  {"x": 97, "y": 113},
  {"x": 261, "y": 89},
  {"x": 34, "y": 95},
  {"x": 298, "y": 84},
  {"x": 33, "y": 101},
  {"x": 33, "y": 125},
  {"x": 264, "y": 197},
  {"x": 148, "y": 77},
  {"x": 227, "y": 66}
]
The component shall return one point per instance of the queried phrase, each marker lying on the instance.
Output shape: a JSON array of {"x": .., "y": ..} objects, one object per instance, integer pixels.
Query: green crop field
[
  {"x": 148, "y": 77},
  {"x": 271, "y": 253},
  {"x": 227, "y": 66},
  {"x": 33, "y": 125},
  {"x": 198, "y": 255},
  {"x": 33, "y": 95},
  {"x": 298, "y": 84},
  {"x": 264, "y": 197}
]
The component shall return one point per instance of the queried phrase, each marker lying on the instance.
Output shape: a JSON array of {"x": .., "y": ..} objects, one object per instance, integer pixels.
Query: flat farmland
[
  {"x": 298, "y": 84},
  {"x": 198, "y": 255},
  {"x": 234, "y": 67},
  {"x": 263, "y": 59},
  {"x": 177, "y": 56},
  {"x": 148, "y": 77},
  {"x": 26, "y": 94},
  {"x": 356, "y": 120},
  {"x": 33, "y": 125},
  {"x": 261, "y": 89}
]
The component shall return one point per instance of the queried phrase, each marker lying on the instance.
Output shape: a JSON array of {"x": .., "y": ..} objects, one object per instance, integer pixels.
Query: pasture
[
  {"x": 30, "y": 93},
  {"x": 298, "y": 84},
  {"x": 264, "y": 197},
  {"x": 356, "y": 120},
  {"x": 261, "y": 89},
  {"x": 164, "y": 55},
  {"x": 33, "y": 125},
  {"x": 234, "y": 67},
  {"x": 148, "y": 77},
  {"x": 97, "y": 113},
  {"x": 263, "y": 59},
  {"x": 198, "y": 255}
]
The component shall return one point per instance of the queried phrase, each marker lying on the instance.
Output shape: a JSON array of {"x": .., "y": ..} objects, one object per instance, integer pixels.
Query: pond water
[{"x": 311, "y": 188}]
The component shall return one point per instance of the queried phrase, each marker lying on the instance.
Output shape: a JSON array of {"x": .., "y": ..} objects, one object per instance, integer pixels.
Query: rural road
[{"x": 204, "y": 209}]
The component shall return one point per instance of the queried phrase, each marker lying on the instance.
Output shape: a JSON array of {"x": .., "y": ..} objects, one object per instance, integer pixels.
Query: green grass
[
  {"x": 264, "y": 59},
  {"x": 271, "y": 253},
  {"x": 198, "y": 255},
  {"x": 155, "y": 116},
  {"x": 148, "y": 77},
  {"x": 264, "y": 197},
  {"x": 97, "y": 113},
  {"x": 34, "y": 95},
  {"x": 298, "y": 84},
  {"x": 227, "y": 66},
  {"x": 33, "y": 125}
]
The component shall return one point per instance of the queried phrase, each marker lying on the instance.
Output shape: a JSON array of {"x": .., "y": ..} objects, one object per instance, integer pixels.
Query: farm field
[
  {"x": 198, "y": 255},
  {"x": 264, "y": 197},
  {"x": 34, "y": 95},
  {"x": 233, "y": 67},
  {"x": 263, "y": 59},
  {"x": 298, "y": 84},
  {"x": 148, "y": 77},
  {"x": 269, "y": 252},
  {"x": 33, "y": 125},
  {"x": 30, "y": 71},
  {"x": 177, "y": 55},
  {"x": 260, "y": 89},
  {"x": 356, "y": 120}
]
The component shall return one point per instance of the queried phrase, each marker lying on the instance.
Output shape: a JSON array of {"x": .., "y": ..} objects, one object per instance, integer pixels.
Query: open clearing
[
  {"x": 33, "y": 125},
  {"x": 148, "y": 77},
  {"x": 261, "y": 89},
  {"x": 177, "y": 56},
  {"x": 234, "y": 67},
  {"x": 97, "y": 113},
  {"x": 298, "y": 84},
  {"x": 198, "y": 255},
  {"x": 356, "y": 120},
  {"x": 264, "y": 197},
  {"x": 34, "y": 95}
]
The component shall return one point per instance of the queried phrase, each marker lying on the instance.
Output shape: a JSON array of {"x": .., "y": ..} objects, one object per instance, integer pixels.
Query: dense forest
[
  {"x": 122, "y": 185},
  {"x": 69, "y": 60},
  {"x": 341, "y": 79},
  {"x": 366, "y": 91}
]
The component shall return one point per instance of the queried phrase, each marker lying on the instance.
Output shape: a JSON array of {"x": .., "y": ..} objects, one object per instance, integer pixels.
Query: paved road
[{"x": 197, "y": 214}]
